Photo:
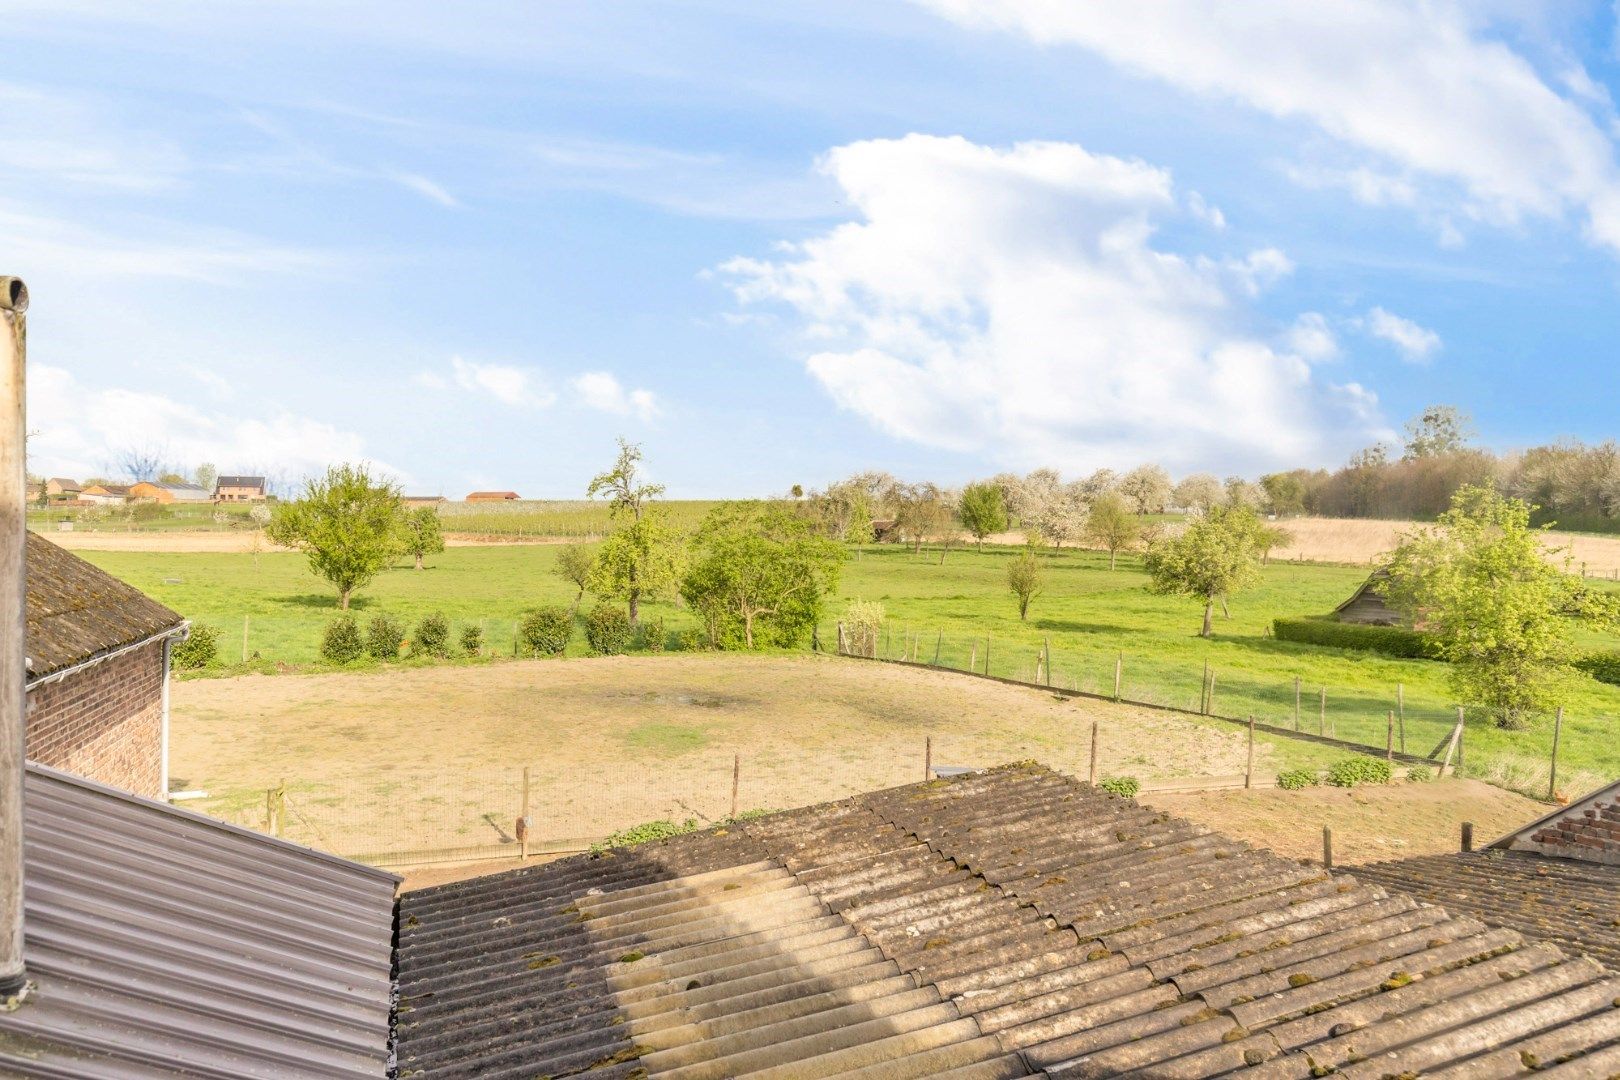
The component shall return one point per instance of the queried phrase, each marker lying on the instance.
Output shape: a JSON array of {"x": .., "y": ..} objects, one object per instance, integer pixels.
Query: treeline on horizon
[{"x": 1568, "y": 483}]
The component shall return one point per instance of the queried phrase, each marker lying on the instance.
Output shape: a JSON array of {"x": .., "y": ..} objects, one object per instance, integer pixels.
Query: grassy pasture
[{"x": 1089, "y": 614}]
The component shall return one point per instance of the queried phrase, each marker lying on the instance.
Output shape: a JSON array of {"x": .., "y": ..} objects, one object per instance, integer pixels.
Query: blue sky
[{"x": 779, "y": 243}]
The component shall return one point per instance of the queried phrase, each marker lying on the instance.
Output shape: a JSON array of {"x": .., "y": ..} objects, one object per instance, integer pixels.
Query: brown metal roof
[
  {"x": 163, "y": 943},
  {"x": 1001, "y": 924},
  {"x": 76, "y": 611}
]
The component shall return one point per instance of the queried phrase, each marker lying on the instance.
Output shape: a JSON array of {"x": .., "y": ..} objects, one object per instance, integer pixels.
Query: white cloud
[
  {"x": 601, "y": 390},
  {"x": 1009, "y": 302},
  {"x": 1421, "y": 87},
  {"x": 82, "y": 142},
  {"x": 428, "y": 189},
  {"x": 519, "y": 387},
  {"x": 1417, "y": 344},
  {"x": 1312, "y": 339},
  {"x": 82, "y": 427}
]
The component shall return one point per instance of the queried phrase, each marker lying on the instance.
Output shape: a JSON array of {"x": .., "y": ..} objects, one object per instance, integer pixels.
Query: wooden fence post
[
  {"x": 1203, "y": 692},
  {"x": 1462, "y": 732},
  {"x": 1321, "y": 714},
  {"x": 1210, "y": 711},
  {"x": 1296, "y": 702},
  {"x": 244, "y": 639},
  {"x": 1248, "y": 770},
  {"x": 1046, "y": 654},
  {"x": 841, "y": 648},
  {"x": 987, "y": 654},
  {"x": 939, "y": 643},
  {"x": 736, "y": 782},
  {"x": 1552, "y": 772},
  {"x": 1119, "y": 674},
  {"x": 973, "y": 658},
  {"x": 1400, "y": 712},
  {"x": 1094, "y": 727},
  {"x": 928, "y": 757},
  {"x": 281, "y": 806},
  {"x": 1468, "y": 836},
  {"x": 1389, "y": 738},
  {"x": 1327, "y": 848},
  {"x": 523, "y": 819},
  {"x": 1451, "y": 745}
]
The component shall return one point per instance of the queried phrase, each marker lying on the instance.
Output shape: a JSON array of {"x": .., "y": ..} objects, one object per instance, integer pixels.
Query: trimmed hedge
[
  {"x": 341, "y": 641},
  {"x": 608, "y": 630},
  {"x": 1389, "y": 640},
  {"x": 547, "y": 630}
]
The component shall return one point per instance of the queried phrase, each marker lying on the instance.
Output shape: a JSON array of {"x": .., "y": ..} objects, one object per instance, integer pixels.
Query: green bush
[
  {"x": 1296, "y": 779},
  {"x": 653, "y": 635},
  {"x": 1389, "y": 640},
  {"x": 608, "y": 630},
  {"x": 1360, "y": 769},
  {"x": 1125, "y": 787},
  {"x": 432, "y": 636},
  {"x": 692, "y": 639},
  {"x": 1419, "y": 774},
  {"x": 341, "y": 642},
  {"x": 383, "y": 637},
  {"x": 1602, "y": 666},
  {"x": 197, "y": 651},
  {"x": 546, "y": 631},
  {"x": 472, "y": 639}
]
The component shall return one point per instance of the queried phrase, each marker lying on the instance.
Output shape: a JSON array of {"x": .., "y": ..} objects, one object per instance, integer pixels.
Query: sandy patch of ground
[
  {"x": 1370, "y": 824},
  {"x": 433, "y": 758}
]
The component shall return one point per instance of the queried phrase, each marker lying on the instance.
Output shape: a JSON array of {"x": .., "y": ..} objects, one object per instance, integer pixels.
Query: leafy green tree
[
  {"x": 640, "y": 557},
  {"x": 205, "y": 475},
  {"x": 921, "y": 513},
  {"x": 760, "y": 574},
  {"x": 575, "y": 564},
  {"x": 1481, "y": 584},
  {"x": 1111, "y": 526},
  {"x": 1436, "y": 431},
  {"x": 420, "y": 533},
  {"x": 982, "y": 511},
  {"x": 1214, "y": 557},
  {"x": 1024, "y": 577},
  {"x": 346, "y": 522},
  {"x": 1285, "y": 493}
]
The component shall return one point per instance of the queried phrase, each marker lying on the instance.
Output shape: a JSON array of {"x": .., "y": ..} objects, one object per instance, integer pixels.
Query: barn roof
[
  {"x": 239, "y": 481},
  {"x": 492, "y": 495},
  {"x": 164, "y": 943},
  {"x": 1001, "y": 924},
  {"x": 77, "y": 611}
]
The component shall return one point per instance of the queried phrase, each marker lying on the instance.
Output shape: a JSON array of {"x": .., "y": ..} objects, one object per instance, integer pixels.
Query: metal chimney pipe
[{"x": 13, "y": 629}]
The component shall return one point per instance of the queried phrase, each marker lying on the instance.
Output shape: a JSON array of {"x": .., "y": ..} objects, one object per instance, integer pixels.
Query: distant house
[
  {"x": 105, "y": 494},
  {"x": 493, "y": 496},
  {"x": 98, "y": 671},
  {"x": 153, "y": 491},
  {"x": 417, "y": 501},
  {"x": 60, "y": 488},
  {"x": 240, "y": 489},
  {"x": 1369, "y": 605}
]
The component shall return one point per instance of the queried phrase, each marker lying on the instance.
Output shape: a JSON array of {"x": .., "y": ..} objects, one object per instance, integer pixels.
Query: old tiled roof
[
  {"x": 76, "y": 611},
  {"x": 162, "y": 943},
  {"x": 239, "y": 481},
  {"x": 1574, "y": 903},
  {"x": 1002, "y": 924}
]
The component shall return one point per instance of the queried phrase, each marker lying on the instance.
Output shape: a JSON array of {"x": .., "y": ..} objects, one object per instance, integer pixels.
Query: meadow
[{"x": 955, "y": 607}]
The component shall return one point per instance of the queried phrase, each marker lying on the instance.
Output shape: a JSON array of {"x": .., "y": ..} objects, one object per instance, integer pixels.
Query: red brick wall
[
  {"x": 105, "y": 722},
  {"x": 1592, "y": 833}
]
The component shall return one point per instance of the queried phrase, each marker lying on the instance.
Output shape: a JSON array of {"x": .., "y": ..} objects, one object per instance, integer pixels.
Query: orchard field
[{"x": 955, "y": 607}]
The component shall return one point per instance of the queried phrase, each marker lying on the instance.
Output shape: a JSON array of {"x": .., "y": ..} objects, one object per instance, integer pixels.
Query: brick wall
[
  {"x": 105, "y": 722},
  {"x": 1591, "y": 832}
]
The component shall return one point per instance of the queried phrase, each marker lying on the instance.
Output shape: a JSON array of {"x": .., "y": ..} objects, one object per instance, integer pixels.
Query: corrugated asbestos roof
[
  {"x": 1002, "y": 924},
  {"x": 76, "y": 611},
  {"x": 163, "y": 943},
  {"x": 1573, "y": 903}
]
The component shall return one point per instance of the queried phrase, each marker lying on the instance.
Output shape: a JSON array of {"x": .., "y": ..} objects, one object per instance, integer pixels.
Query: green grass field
[{"x": 1088, "y": 614}]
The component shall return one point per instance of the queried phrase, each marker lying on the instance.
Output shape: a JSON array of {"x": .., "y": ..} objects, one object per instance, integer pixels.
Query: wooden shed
[{"x": 1368, "y": 605}]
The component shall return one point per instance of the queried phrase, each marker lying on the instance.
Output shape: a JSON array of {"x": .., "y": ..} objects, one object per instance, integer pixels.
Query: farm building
[
  {"x": 98, "y": 672},
  {"x": 154, "y": 491},
  {"x": 493, "y": 496},
  {"x": 416, "y": 502},
  {"x": 240, "y": 489},
  {"x": 106, "y": 494},
  {"x": 58, "y": 487},
  {"x": 1001, "y": 924},
  {"x": 1369, "y": 605}
]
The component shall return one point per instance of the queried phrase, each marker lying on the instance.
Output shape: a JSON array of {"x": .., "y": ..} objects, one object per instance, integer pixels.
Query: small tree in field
[
  {"x": 1112, "y": 526},
  {"x": 575, "y": 564},
  {"x": 1504, "y": 616},
  {"x": 982, "y": 510},
  {"x": 420, "y": 533},
  {"x": 1213, "y": 558},
  {"x": 346, "y": 522},
  {"x": 640, "y": 556},
  {"x": 760, "y": 574},
  {"x": 1024, "y": 576}
]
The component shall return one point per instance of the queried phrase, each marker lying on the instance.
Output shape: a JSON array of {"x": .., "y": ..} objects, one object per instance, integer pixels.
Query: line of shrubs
[
  {"x": 1350, "y": 772},
  {"x": 344, "y": 642},
  {"x": 1398, "y": 641}
]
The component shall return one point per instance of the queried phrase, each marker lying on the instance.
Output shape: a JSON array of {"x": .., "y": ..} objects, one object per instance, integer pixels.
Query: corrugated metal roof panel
[{"x": 162, "y": 942}]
